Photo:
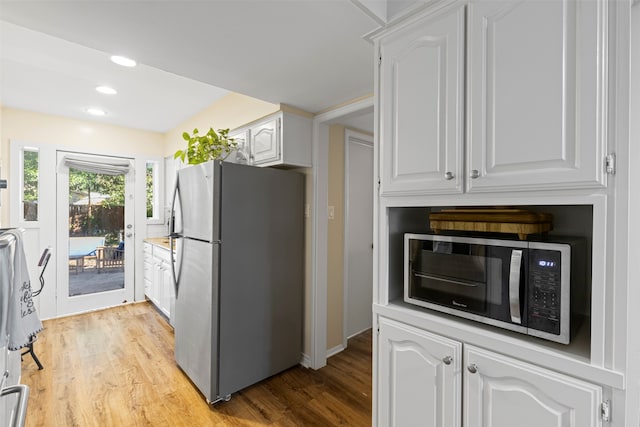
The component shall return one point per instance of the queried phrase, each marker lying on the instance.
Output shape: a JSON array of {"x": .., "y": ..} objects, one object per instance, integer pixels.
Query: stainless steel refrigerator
[{"x": 239, "y": 274}]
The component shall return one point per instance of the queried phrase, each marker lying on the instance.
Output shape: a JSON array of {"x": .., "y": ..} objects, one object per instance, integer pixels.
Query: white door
[
  {"x": 418, "y": 378},
  {"x": 94, "y": 233},
  {"x": 503, "y": 392},
  {"x": 358, "y": 233}
]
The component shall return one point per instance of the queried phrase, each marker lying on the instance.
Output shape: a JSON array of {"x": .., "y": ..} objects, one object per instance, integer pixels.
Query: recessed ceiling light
[
  {"x": 106, "y": 90},
  {"x": 96, "y": 111},
  {"x": 125, "y": 62}
]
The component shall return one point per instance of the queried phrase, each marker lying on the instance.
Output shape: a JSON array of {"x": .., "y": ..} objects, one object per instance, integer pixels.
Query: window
[
  {"x": 152, "y": 185},
  {"x": 30, "y": 176}
]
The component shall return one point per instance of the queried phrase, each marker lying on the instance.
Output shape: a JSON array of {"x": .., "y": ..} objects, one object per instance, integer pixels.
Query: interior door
[
  {"x": 94, "y": 235},
  {"x": 358, "y": 233}
]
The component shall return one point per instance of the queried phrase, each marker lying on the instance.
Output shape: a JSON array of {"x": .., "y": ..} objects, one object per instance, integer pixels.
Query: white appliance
[{"x": 239, "y": 274}]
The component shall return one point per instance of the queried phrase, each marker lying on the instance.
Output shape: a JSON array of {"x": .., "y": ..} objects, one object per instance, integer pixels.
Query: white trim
[
  {"x": 306, "y": 360},
  {"x": 66, "y": 304},
  {"x": 320, "y": 156},
  {"x": 372, "y": 10},
  {"x": 46, "y": 235},
  {"x": 335, "y": 350},
  {"x": 361, "y": 139}
]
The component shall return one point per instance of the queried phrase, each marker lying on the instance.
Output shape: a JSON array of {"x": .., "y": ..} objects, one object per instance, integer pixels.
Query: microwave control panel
[{"x": 545, "y": 286}]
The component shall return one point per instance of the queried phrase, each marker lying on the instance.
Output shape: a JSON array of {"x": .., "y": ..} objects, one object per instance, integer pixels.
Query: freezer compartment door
[
  {"x": 196, "y": 316},
  {"x": 198, "y": 190}
]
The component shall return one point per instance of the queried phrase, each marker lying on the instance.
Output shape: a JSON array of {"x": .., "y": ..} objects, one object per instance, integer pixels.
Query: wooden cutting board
[{"x": 497, "y": 220}]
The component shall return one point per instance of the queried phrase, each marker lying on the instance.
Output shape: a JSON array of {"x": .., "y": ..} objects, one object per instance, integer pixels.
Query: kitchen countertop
[{"x": 160, "y": 241}]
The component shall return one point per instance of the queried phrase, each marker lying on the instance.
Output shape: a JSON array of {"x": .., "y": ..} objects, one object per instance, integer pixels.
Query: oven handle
[
  {"x": 21, "y": 407},
  {"x": 442, "y": 279},
  {"x": 514, "y": 286}
]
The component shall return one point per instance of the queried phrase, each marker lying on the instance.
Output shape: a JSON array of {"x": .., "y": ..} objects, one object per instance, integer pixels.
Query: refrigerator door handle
[
  {"x": 173, "y": 265},
  {"x": 172, "y": 217},
  {"x": 173, "y": 235}
]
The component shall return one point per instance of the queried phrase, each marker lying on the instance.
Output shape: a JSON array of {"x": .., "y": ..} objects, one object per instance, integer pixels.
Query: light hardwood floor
[{"x": 116, "y": 368}]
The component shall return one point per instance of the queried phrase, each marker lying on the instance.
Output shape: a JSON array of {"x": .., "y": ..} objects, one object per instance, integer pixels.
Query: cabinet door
[
  {"x": 167, "y": 286},
  {"x": 241, "y": 153},
  {"x": 421, "y": 101},
  {"x": 535, "y": 94},
  {"x": 503, "y": 392},
  {"x": 148, "y": 270},
  {"x": 418, "y": 377},
  {"x": 265, "y": 142}
]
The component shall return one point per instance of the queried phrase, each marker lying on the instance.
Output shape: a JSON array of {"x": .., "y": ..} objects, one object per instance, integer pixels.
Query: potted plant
[{"x": 210, "y": 146}]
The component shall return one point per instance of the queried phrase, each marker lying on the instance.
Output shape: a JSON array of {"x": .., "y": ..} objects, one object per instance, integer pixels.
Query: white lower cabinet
[
  {"x": 424, "y": 381},
  {"x": 148, "y": 269},
  {"x": 158, "y": 279},
  {"x": 419, "y": 376},
  {"x": 503, "y": 392}
]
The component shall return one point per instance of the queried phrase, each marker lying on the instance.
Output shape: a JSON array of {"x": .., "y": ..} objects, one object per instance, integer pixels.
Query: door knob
[
  {"x": 129, "y": 234},
  {"x": 473, "y": 368},
  {"x": 475, "y": 174},
  {"x": 449, "y": 176},
  {"x": 447, "y": 360}
]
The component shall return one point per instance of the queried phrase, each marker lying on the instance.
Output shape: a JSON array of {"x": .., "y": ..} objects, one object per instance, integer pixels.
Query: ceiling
[{"x": 310, "y": 54}]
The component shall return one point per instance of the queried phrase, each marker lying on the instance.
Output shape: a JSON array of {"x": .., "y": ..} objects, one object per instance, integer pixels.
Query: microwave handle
[{"x": 514, "y": 286}]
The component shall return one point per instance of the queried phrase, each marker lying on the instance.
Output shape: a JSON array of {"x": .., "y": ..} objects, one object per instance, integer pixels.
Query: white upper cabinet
[
  {"x": 503, "y": 392},
  {"x": 265, "y": 142},
  {"x": 419, "y": 377},
  {"x": 280, "y": 139},
  {"x": 241, "y": 153},
  {"x": 517, "y": 86},
  {"x": 535, "y": 94},
  {"x": 422, "y": 103}
]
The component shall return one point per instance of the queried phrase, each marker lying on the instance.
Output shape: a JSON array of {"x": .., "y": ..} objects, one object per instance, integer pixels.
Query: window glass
[
  {"x": 153, "y": 204},
  {"x": 30, "y": 175}
]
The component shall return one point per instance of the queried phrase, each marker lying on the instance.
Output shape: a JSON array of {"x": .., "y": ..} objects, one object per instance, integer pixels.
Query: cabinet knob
[
  {"x": 473, "y": 368},
  {"x": 447, "y": 360},
  {"x": 449, "y": 176},
  {"x": 475, "y": 174}
]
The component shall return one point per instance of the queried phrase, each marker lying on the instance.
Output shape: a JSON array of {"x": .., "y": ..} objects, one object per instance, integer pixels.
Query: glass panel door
[{"x": 95, "y": 269}]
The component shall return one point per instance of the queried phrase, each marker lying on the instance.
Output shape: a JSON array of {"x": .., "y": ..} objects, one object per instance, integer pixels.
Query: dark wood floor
[{"x": 116, "y": 368}]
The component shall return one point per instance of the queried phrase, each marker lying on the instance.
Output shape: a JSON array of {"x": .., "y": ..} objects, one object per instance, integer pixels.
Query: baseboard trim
[{"x": 335, "y": 350}]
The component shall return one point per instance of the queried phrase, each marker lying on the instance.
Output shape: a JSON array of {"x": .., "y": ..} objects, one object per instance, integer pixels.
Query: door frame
[
  {"x": 319, "y": 219},
  {"x": 43, "y": 234},
  {"x": 364, "y": 139},
  {"x": 66, "y": 305}
]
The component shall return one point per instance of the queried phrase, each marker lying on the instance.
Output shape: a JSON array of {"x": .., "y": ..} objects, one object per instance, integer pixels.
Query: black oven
[{"x": 522, "y": 286}]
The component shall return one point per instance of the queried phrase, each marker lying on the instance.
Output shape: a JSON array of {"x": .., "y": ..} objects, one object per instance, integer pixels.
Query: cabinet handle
[
  {"x": 473, "y": 368},
  {"x": 447, "y": 360},
  {"x": 449, "y": 176},
  {"x": 475, "y": 174}
]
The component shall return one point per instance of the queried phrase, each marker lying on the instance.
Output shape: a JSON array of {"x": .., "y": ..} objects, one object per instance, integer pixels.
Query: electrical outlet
[
  {"x": 307, "y": 210},
  {"x": 332, "y": 212}
]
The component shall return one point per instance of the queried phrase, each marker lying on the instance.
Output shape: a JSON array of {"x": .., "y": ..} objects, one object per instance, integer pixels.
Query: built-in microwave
[{"x": 531, "y": 287}]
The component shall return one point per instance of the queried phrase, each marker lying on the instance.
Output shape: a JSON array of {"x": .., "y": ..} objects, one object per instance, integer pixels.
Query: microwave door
[{"x": 449, "y": 275}]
